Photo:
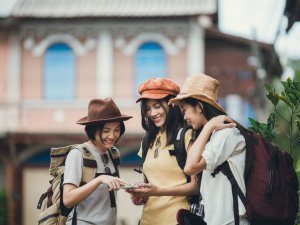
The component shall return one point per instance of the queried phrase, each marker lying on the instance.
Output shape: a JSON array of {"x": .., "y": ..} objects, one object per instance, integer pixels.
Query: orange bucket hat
[
  {"x": 202, "y": 87},
  {"x": 102, "y": 111},
  {"x": 157, "y": 88}
]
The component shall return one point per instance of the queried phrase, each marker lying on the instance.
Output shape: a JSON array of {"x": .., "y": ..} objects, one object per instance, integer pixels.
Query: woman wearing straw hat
[
  {"x": 218, "y": 141},
  {"x": 94, "y": 200},
  {"x": 166, "y": 183}
]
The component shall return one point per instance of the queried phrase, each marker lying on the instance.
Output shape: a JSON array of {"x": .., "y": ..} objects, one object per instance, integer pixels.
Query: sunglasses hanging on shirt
[{"x": 105, "y": 159}]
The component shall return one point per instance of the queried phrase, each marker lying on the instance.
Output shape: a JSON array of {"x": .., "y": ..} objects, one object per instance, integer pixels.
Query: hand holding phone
[{"x": 129, "y": 186}]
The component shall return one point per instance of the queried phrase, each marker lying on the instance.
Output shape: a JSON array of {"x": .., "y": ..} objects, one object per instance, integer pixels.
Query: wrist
[
  {"x": 159, "y": 191},
  {"x": 208, "y": 128},
  {"x": 100, "y": 179}
]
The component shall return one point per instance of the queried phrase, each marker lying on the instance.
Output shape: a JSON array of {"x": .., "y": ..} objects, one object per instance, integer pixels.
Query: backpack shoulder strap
[
  {"x": 89, "y": 164},
  {"x": 144, "y": 148},
  {"x": 179, "y": 147},
  {"x": 235, "y": 188},
  {"x": 114, "y": 154}
]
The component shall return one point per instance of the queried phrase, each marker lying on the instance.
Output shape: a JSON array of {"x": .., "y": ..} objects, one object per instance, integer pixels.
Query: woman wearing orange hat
[
  {"x": 218, "y": 141},
  {"x": 166, "y": 184},
  {"x": 95, "y": 200}
]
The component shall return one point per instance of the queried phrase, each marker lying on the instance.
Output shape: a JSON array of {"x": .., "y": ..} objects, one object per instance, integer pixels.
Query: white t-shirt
[
  {"x": 227, "y": 144},
  {"x": 96, "y": 208}
]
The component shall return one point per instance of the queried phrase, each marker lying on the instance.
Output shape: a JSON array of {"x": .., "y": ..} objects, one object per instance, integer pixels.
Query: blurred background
[{"x": 56, "y": 55}]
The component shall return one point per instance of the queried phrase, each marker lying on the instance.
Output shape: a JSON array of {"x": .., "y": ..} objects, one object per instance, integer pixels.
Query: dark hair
[
  {"x": 91, "y": 130},
  {"x": 209, "y": 111},
  {"x": 174, "y": 120}
]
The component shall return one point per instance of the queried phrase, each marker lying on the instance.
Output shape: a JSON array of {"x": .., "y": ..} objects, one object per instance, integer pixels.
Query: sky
[{"x": 260, "y": 20}]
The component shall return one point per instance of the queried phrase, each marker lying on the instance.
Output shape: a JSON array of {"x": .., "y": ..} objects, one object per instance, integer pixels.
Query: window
[
  {"x": 239, "y": 109},
  {"x": 59, "y": 72},
  {"x": 150, "y": 61}
]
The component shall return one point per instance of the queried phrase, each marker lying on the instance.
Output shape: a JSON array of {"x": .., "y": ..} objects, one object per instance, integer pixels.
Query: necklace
[{"x": 157, "y": 145}]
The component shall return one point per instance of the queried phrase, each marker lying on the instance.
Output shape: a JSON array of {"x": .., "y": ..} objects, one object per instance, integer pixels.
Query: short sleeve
[
  {"x": 188, "y": 137},
  {"x": 73, "y": 168},
  {"x": 222, "y": 144}
]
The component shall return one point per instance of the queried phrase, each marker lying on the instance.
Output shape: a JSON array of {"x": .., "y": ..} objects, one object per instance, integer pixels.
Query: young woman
[
  {"x": 166, "y": 185},
  {"x": 94, "y": 200},
  {"x": 218, "y": 141}
]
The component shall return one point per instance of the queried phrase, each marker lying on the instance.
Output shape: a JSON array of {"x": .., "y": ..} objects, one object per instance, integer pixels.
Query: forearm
[
  {"x": 195, "y": 163},
  {"x": 181, "y": 190},
  {"x": 190, "y": 188},
  {"x": 73, "y": 195}
]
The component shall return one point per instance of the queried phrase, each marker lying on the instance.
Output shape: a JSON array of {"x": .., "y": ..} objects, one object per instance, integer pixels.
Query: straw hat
[
  {"x": 202, "y": 87},
  {"x": 102, "y": 111},
  {"x": 157, "y": 88}
]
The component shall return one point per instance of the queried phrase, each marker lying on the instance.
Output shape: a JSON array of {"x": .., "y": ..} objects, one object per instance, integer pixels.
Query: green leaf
[
  {"x": 298, "y": 169},
  {"x": 298, "y": 124},
  {"x": 285, "y": 100},
  {"x": 273, "y": 97},
  {"x": 268, "y": 87}
]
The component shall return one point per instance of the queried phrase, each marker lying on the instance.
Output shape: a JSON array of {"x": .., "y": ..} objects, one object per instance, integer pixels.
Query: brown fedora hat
[
  {"x": 157, "y": 88},
  {"x": 202, "y": 87},
  {"x": 102, "y": 111}
]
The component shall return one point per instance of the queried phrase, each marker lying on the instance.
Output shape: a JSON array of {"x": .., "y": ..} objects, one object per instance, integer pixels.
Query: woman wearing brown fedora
[
  {"x": 166, "y": 184},
  {"x": 219, "y": 140},
  {"x": 95, "y": 200}
]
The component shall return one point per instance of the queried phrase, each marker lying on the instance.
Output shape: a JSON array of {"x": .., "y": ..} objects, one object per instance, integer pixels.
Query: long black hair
[
  {"x": 209, "y": 112},
  {"x": 174, "y": 120}
]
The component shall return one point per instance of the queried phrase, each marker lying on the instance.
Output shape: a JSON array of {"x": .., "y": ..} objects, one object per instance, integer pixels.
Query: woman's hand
[
  {"x": 114, "y": 183},
  {"x": 144, "y": 189},
  {"x": 219, "y": 123}
]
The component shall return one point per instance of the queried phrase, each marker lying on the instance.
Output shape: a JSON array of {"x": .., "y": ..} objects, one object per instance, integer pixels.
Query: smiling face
[
  {"x": 193, "y": 115},
  {"x": 109, "y": 134},
  {"x": 157, "y": 112}
]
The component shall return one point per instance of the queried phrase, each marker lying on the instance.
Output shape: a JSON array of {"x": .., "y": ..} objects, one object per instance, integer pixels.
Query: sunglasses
[{"x": 104, "y": 158}]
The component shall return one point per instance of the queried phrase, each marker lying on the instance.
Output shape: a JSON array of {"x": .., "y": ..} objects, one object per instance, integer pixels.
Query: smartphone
[{"x": 127, "y": 187}]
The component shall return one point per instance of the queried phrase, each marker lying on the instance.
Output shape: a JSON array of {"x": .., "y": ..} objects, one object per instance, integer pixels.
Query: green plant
[
  {"x": 3, "y": 207},
  {"x": 283, "y": 124},
  {"x": 285, "y": 117}
]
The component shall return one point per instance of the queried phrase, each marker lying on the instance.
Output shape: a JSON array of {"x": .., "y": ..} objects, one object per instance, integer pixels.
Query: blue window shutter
[
  {"x": 150, "y": 61},
  {"x": 59, "y": 72}
]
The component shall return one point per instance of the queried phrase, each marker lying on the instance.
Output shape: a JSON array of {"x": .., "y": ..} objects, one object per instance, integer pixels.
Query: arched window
[
  {"x": 59, "y": 72},
  {"x": 150, "y": 61}
]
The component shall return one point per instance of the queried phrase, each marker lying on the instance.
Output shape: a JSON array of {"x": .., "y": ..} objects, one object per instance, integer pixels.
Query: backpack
[
  {"x": 271, "y": 183},
  {"x": 53, "y": 211}
]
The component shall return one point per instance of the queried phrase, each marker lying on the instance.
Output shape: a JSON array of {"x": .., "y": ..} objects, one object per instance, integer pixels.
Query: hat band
[{"x": 158, "y": 92}]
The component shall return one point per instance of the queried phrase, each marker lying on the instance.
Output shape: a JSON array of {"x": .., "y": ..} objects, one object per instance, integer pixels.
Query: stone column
[
  {"x": 104, "y": 65},
  {"x": 14, "y": 64},
  {"x": 195, "y": 51}
]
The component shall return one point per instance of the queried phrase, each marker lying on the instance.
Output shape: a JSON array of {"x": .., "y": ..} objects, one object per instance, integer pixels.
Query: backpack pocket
[{"x": 52, "y": 216}]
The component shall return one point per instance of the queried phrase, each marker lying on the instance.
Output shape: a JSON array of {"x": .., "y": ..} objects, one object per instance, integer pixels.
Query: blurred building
[{"x": 57, "y": 55}]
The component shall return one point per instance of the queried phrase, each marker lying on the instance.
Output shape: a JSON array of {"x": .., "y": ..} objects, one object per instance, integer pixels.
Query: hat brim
[
  {"x": 85, "y": 121},
  {"x": 152, "y": 96},
  {"x": 204, "y": 98}
]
